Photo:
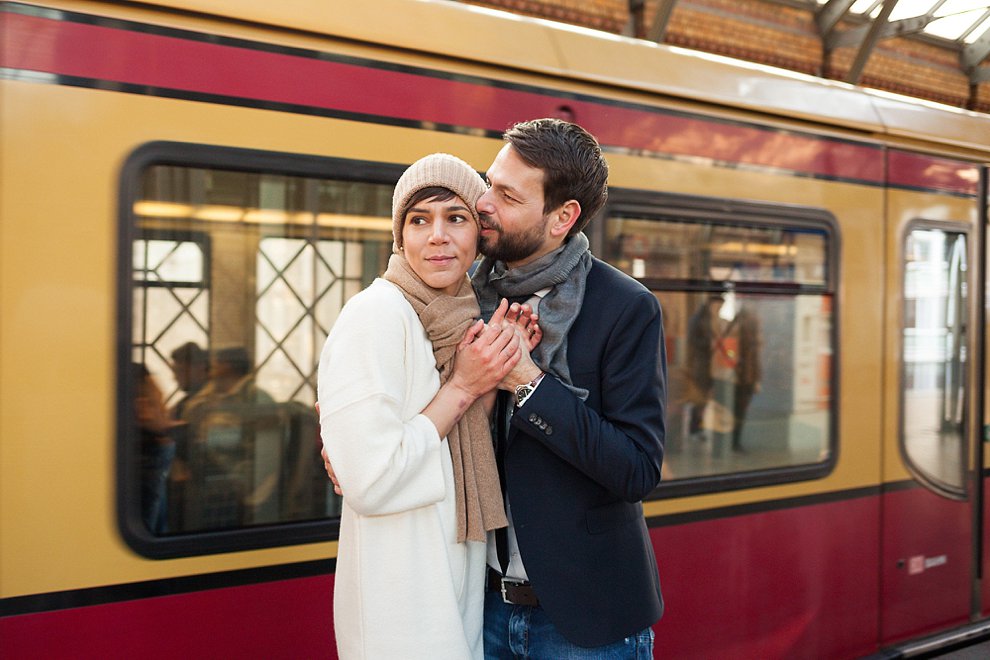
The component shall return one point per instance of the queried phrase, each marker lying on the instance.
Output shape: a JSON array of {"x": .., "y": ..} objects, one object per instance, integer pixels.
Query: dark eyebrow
[{"x": 453, "y": 207}]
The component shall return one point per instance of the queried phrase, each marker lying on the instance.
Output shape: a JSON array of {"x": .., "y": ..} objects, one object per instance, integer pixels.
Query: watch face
[{"x": 522, "y": 391}]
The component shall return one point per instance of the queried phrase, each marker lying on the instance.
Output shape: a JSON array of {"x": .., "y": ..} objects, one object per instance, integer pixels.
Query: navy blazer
[{"x": 576, "y": 471}]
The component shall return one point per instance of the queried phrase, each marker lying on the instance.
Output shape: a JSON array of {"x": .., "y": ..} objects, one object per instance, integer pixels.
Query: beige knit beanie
[{"x": 441, "y": 170}]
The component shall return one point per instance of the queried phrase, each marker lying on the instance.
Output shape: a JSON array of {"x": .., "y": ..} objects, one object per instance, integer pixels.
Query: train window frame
[
  {"x": 660, "y": 206},
  {"x": 922, "y": 476},
  {"x": 194, "y": 155}
]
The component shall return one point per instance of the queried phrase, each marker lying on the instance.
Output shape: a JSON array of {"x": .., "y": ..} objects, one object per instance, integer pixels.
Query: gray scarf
[{"x": 564, "y": 270}]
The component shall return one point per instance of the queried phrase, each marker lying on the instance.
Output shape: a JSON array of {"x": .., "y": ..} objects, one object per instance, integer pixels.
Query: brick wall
[{"x": 779, "y": 35}]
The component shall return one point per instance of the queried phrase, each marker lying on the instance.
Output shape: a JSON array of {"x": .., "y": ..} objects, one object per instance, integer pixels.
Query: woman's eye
[{"x": 417, "y": 220}]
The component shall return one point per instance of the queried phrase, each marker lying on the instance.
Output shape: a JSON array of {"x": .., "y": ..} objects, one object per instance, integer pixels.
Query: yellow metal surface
[
  {"x": 59, "y": 173},
  {"x": 58, "y": 313}
]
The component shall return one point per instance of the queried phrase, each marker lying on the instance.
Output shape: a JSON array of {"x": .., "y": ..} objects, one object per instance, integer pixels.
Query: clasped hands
[
  {"x": 491, "y": 355},
  {"x": 497, "y": 354}
]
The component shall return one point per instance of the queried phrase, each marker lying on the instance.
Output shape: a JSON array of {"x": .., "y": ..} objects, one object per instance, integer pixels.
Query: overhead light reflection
[{"x": 226, "y": 213}]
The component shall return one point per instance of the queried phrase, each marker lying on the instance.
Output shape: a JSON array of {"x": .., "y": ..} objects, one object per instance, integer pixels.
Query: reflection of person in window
[
  {"x": 723, "y": 366},
  {"x": 157, "y": 448},
  {"x": 231, "y": 382},
  {"x": 228, "y": 418},
  {"x": 191, "y": 368}
]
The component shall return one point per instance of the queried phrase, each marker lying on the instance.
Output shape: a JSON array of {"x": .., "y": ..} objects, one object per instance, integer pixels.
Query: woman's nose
[{"x": 439, "y": 233}]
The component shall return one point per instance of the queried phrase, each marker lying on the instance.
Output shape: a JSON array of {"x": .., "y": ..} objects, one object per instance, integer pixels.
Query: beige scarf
[{"x": 446, "y": 318}]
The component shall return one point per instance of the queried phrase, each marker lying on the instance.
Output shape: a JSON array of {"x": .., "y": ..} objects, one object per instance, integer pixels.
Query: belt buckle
[{"x": 502, "y": 585}]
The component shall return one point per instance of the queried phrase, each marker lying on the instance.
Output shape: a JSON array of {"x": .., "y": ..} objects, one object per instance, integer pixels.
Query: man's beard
[{"x": 515, "y": 247}]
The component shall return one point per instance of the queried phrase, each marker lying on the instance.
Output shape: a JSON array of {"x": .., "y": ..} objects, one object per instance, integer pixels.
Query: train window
[
  {"x": 747, "y": 296},
  {"x": 934, "y": 357},
  {"x": 236, "y": 278}
]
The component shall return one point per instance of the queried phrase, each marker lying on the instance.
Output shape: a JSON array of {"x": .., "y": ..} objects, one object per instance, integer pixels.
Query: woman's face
[{"x": 440, "y": 241}]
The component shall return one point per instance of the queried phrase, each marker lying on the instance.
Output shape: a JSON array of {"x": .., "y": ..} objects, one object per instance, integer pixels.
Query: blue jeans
[{"x": 521, "y": 631}]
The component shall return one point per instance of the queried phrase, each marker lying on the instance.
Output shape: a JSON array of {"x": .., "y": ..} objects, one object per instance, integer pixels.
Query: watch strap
[{"x": 524, "y": 391}]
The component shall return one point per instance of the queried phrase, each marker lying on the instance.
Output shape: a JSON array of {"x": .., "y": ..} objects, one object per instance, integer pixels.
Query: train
[{"x": 191, "y": 189}]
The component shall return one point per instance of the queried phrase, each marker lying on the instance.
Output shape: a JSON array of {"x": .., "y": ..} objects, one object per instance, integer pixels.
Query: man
[
  {"x": 580, "y": 427},
  {"x": 191, "y": 367},
  {"x": 234, "y": 434}
]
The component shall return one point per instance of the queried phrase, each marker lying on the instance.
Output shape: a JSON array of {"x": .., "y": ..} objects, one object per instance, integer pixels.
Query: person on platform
[
  {"x": 405, "y": 385},
  {"x": 580, "y": 424}
]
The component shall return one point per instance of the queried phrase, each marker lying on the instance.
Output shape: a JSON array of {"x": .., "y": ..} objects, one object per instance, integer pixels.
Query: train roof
[{"x": 556, "y": 49}]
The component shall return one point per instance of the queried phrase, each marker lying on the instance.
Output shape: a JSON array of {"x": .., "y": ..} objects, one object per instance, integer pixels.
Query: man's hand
[
  {"x": 326, "y": 459},
  {"x": 527, "y": 328},
  {"x": 330, "y": 473},
  {"x": 486, "y": 354},
  {"x": 522, "y": 372}
]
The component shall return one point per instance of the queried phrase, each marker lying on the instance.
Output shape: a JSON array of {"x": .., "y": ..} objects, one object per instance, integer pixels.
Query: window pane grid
[{"x": 248, "y": 271}]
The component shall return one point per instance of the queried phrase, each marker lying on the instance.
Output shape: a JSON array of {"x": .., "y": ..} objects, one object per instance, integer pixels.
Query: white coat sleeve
[{"x": 384, "y": 464}]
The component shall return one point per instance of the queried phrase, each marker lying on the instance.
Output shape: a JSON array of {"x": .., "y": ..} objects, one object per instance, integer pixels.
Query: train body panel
[
  {"x": 792, "y": 594},
  {"x": 148, "y": 200}
]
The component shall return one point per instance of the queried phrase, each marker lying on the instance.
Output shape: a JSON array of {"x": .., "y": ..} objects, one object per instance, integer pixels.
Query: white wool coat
[{"x": 404, "y": 587}]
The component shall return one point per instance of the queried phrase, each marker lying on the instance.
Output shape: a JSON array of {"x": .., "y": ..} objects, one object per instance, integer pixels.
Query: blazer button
[
  {"x": 549, "y": 430},
  {"x": 533, "y": 419}
]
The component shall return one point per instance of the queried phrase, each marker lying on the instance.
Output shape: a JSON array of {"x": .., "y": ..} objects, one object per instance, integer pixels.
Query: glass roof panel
[
  {"x": 911, "y": 8},
  {"x": 864, "y": 6},
  {"x": 980, "y": 30},
  {"x": 954, "y": 20},
  {"x": 954, "y": 26}
]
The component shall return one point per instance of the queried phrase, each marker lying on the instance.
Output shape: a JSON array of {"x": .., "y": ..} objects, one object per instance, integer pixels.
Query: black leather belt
[{"x": 514, "y": 592}]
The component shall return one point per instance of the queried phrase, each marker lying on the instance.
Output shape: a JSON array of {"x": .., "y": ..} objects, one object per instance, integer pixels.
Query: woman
[
  {"x": 157, "y": 448},
  {"x": 406, "y": 381}
]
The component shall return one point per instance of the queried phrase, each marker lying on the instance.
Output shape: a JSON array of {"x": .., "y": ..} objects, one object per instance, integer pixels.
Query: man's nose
[{"x": 484, "y": 204}]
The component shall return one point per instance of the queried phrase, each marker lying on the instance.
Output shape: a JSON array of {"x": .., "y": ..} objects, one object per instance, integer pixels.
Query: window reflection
[
  {"x": 934, "y": 357},
  {"x": 703, "y": 251},
  {"x": 749, "y": 382},
  {"x": 748, "y": 324},
  {"x": 237, "y": 280}
]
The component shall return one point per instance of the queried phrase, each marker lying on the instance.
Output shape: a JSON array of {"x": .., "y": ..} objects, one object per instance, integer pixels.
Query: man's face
[
  {"x": 513, "y": 225},
  {"x": 189, "y": 375},
  {"x": 181, "y": 370}
]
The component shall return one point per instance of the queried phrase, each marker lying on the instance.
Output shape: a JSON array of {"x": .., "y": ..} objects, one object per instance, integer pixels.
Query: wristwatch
[{"x": 523, "y": 391}]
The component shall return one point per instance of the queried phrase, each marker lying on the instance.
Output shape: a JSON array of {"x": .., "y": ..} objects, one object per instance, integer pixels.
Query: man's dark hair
[
  {"x": 236, "y": 358},
  {"x": 190, "y": 353},
  {"x": 572, "y": 163}
]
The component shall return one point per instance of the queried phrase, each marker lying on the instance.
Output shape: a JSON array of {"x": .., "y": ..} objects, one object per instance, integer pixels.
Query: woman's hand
[{"x": 484, "y": 357}]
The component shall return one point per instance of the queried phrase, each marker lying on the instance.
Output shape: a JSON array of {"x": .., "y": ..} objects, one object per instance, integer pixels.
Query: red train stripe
[
  {"x": 164, "y": 62},
  {"x": 284, "y": 619},
  {"x": 919, "y": 171}
]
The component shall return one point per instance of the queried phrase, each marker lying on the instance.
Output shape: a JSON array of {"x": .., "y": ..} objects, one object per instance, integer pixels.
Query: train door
[
  {"x": 983, "y": 387},
  {"x": 928, "y": 490}
]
